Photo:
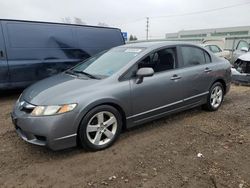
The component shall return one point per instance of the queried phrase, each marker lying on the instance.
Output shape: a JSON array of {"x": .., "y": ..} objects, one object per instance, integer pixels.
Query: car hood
[
  {"x": 245, "y": 57},
  {"x": 59, "y": 89}
]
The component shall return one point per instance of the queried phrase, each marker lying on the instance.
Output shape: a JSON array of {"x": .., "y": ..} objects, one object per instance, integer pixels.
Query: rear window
[
  {"x": 193, "y": 56},
  {"x": 207, "y": 57}
]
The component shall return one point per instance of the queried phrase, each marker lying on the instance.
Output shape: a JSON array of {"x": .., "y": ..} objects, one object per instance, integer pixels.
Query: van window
[
  {"x": 98, "y": 37},
  {"x": 192, "y": 56},
  {"x": 34, "y": 35}
]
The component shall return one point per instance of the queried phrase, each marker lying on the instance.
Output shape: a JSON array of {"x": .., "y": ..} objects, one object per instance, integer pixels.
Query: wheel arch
[
  {"x": 120, "y": 110},
  {"x": 95, "y": 104},
  {"x": 220, "y": 80}
]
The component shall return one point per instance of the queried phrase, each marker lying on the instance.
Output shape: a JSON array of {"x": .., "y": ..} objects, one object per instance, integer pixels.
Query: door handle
[
  {"x": 175, "y": 77},
  {"x": 207, "y": 70},
  {"x": 1, "y": 53}
]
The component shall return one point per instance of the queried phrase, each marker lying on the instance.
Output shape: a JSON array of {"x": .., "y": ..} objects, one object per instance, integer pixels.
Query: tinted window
[
  {"x": 161, "y": 60},
  {"x": 242, "y": 44},
  {"x": 207, "y": 57},
  {"x": 192, "y": 56},
  {"x": 33, "y": 35},
  {"x": 215, "y": 49},
  {"x": 98, "y": 37}
]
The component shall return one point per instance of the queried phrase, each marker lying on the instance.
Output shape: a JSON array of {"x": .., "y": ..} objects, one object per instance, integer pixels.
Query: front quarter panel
[{"x": 117, "y": 94}]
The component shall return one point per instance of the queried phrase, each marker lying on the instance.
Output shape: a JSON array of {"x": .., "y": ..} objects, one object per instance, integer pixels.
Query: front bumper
[
  {"x": 241, "y": 78},
  {"x": 55, "y": 132}
]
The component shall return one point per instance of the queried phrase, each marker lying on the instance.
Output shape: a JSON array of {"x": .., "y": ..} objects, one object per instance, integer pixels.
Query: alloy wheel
[
  {"x": 216, "y": 96},
  {"x": 101, "y": 128}
]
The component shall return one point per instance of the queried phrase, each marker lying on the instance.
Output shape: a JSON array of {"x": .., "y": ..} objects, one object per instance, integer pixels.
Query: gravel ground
[{"x": 162, "y": 153}]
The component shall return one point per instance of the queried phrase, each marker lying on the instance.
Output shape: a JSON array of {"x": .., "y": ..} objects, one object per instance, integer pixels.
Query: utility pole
[{"x": 147, "y": 27}]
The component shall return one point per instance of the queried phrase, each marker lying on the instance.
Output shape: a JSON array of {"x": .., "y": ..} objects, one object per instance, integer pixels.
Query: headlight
[{"x": 52, "y": 110}]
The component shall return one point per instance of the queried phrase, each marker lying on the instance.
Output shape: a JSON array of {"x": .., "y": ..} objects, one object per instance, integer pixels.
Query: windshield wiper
[{"x": 87, "y": 74}]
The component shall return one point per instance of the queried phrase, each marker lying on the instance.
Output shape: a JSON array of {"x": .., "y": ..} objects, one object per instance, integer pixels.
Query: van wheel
[
  {"x": 215, "y": 97},
  {"x": 100, "y": 128}
]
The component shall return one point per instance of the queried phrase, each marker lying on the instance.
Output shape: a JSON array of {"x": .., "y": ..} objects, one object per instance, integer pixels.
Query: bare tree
[
  {"x": 79, "y": 21},
  {"x": 66, "y": 20},
  {"x": 131, "y": 38},
  {"x": 102, "y": 24},
  {"x": 76, "y": 20}
]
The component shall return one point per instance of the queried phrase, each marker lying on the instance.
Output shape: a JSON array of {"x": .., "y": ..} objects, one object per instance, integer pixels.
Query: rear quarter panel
[{"x": 221, "y": 71}]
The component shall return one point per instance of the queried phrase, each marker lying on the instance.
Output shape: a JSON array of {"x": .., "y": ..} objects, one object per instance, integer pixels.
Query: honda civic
[{"x": 90, "y": 104}]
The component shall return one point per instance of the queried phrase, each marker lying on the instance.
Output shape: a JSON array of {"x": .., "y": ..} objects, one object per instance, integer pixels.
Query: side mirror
[
  {"x": 143, "y": 72},
  {"x": 244, "y": 49}
]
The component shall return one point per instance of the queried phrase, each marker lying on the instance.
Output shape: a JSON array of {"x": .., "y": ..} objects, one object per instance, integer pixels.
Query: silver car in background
[
  {"x": 128, "y": 85},
  {"x": 217, "y": 51},
  {"x": 241, "y": 70}
]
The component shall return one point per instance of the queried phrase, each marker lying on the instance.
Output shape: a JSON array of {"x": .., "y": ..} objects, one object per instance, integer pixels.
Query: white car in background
[
  {"x": 216, "y": 46},
  {"x": 230, "y": 49},
  {"x": 217, "y": 51}
]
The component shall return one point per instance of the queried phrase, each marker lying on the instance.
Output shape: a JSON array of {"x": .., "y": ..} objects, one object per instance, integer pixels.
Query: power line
[
  {"x": 203, "y": 11},
  {"x": 190, "y": 13}
]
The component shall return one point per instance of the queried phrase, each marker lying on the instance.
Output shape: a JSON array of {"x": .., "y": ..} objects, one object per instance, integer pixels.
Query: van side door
[{"x": 4, "y": 69}]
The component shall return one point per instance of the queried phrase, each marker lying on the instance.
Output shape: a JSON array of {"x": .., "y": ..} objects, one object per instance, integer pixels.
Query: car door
[
  {"x": 196, "y": 70},
  {"x": 4, "y": 69},
  {"x": 160, "y": 93}
]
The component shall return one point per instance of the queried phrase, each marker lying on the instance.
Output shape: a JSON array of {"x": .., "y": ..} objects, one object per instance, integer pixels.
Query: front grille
[{"x": 41, "y": 138}]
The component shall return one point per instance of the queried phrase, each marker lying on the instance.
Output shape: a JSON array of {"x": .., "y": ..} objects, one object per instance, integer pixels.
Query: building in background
[{"x": 210, "y": 33}]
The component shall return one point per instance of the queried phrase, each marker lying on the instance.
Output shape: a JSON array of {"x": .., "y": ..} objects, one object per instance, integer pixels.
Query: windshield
[{"x": 106, "y": 64}]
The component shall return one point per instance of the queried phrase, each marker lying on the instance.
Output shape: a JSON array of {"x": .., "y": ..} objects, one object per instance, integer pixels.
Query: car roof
[{"x": 158, "y": 44}]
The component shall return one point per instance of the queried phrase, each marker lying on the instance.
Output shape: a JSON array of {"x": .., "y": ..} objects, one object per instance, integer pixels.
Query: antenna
[{"x": 147, "y": 27}]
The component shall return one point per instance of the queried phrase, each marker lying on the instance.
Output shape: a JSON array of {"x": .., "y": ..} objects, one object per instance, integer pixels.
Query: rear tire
[
  {"x": 100, "y": 128},
  {"x": 215, "y": 97}
]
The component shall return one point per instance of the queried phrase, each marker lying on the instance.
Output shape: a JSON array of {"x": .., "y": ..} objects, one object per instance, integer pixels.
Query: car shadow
[
  {"x": 134, "y": 131},
  {"x": 10, "y": 94},
  {"x": 164, "y": 121}
]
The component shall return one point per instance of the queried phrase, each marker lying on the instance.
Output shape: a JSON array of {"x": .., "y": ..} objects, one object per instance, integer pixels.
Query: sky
[{"x": 165, "y": 16}]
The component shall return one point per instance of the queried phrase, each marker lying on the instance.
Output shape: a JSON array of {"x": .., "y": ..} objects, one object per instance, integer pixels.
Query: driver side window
[{"x": 160, "y": 61}]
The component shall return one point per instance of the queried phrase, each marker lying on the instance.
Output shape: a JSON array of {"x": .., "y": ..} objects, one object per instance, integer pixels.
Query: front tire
[
  {"x": 215, "y": 97},
  {"x": 100, "y": 128}
]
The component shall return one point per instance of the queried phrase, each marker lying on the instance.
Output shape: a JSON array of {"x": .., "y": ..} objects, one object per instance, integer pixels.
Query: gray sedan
[{"x": 128, "y": 85}]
